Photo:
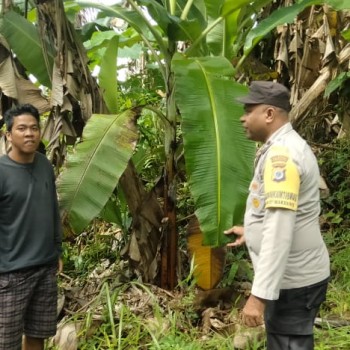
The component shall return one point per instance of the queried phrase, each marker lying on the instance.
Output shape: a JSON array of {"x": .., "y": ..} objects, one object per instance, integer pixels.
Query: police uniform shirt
[{"x": 282, "y": 217}]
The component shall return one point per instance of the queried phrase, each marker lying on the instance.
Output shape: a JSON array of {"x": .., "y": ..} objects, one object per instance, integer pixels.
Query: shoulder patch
[{"x": 281, "y": 179}]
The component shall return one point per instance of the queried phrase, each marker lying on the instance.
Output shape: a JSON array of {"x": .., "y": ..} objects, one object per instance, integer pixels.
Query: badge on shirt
[
  {"x": 257, "y": 203},
  {"x": 279, "y": 175},
  {"x": 254, "y": 186},
  {"x": 281, "y": 179}
]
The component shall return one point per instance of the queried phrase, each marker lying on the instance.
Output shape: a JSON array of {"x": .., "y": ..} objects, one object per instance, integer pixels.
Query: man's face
[
  {"x": 254, "y": 122},
  {"x": 25, "y": 135}
]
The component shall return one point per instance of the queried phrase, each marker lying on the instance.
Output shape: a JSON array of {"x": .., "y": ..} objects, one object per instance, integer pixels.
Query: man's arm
[{"x": 277, "y": 239}]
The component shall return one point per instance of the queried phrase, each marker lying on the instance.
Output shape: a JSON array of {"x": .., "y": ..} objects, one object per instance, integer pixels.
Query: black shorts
[
  {"x": 295, "y": 311},
  {"x": 28, "y": 304}
]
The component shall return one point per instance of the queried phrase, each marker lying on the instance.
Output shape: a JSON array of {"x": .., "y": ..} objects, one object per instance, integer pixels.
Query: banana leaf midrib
[{"x": 217, "y": 139}]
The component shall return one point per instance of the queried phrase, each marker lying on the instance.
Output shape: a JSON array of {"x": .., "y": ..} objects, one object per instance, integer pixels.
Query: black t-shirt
[{"x": 30, "y": 227}]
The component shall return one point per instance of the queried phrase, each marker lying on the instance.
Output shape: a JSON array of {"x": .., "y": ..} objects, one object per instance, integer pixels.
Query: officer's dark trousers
[{"x": 289, "y": 320}]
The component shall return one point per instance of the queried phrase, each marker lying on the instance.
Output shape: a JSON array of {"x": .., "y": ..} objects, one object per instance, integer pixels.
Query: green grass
[
  {"x": 123, "y": 314},
  {"x": 128, "y": 315},
  {"x": 332, "y": 338}
]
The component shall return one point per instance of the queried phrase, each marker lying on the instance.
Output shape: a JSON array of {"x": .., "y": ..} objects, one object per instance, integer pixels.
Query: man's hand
[
  {"x": 253, "y": 312},
  {"x": 239, "y": 231}
]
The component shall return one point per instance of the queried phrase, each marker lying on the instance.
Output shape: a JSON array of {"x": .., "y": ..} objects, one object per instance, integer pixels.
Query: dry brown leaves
[{"x": 217, "y": 309}]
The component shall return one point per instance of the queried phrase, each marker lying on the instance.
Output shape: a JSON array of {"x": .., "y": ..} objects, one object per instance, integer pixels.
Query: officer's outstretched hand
[{"x": 239, "y": 232}]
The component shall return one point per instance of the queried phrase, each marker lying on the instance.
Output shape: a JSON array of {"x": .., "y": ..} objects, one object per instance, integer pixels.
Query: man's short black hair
[{"x": 19, "y": 110}]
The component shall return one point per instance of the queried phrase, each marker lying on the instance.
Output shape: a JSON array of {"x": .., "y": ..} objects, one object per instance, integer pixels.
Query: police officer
[{"x": 281, "y": 224}]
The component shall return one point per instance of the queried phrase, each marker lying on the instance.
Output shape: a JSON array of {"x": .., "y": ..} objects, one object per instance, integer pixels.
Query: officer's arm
[{"x": 277, "y": 239}]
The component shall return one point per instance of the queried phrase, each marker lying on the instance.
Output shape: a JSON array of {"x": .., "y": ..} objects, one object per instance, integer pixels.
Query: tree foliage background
[
  {"x": 141, "y": 125},
  {"x": 124, "y": 147}
]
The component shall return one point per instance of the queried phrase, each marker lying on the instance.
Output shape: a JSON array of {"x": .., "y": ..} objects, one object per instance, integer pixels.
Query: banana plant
[
  {"x": 218, "y": 156},
  {"x": 222, "y": 134},
  {"x": 192, "y": 44}
]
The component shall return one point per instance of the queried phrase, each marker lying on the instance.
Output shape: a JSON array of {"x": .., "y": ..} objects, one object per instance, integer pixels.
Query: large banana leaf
[
  {"x": 130, "y": 16},
  {"x": 227, "y": 23},
  {"x": 23, "y": 38},
  {"x": 137, "y": 20},
  {"x": 209, "y": 262},
  {"x": 174, "y": 27},
  {"x": 93, "y": 171},
  {"x": 108, "y": 75},
  {"x": 221, "y": 37},
  {"x": 280, "y": 16},
  {"x": 218, "y": 156},
  {"x": 339, "y": 4}
]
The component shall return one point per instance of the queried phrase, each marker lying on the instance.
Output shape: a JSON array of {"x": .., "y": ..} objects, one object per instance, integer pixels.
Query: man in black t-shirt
[{"x": 30, "y": 235}]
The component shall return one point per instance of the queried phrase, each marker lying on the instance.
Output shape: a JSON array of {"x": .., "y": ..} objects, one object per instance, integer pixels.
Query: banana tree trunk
[
  {"x": 147, "y": 216},
  {"x": 170, "y": 237},
  {"x": 169, "y": 244},
  {"x": 144, "y": 207}
]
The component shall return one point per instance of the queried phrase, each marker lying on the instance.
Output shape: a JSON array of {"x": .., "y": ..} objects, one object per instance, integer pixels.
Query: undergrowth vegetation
[
  {"x": 110, "y": 308},
  {"x": 335, "y": 167}
]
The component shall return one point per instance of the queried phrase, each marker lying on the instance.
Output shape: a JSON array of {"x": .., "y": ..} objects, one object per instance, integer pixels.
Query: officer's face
[{"x": 254, "y": 122}]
